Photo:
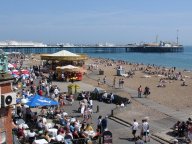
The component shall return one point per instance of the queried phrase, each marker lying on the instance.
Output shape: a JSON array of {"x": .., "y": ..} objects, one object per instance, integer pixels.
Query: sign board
[{"x": 107, "y": 137}]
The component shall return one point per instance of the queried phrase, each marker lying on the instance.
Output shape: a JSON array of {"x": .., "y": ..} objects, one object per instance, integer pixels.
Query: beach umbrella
[
  {"x": 24, "y": 71},
  {"x": 37, "y": 100},
  {"x": 10, "y": 66},
  {"x": 15, "y": 65},
  {"x": 16, "y": 72}
]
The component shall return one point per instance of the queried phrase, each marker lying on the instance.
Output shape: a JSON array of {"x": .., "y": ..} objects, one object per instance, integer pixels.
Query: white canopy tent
[{"x": 64, "y": 53}]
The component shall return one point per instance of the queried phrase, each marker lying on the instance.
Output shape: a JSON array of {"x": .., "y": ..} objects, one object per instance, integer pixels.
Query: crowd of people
[
  {"x": 183, "y": 129},
  {"x": 64, "y": 128},
  {"x": 52, "y": 123}
]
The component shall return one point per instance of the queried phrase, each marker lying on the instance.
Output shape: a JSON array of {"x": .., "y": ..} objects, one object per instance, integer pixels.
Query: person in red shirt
[{"x": 40, "y": 92}]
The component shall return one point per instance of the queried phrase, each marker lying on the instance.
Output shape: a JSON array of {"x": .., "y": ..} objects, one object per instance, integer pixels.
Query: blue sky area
[{"x": 94, "y": 21}]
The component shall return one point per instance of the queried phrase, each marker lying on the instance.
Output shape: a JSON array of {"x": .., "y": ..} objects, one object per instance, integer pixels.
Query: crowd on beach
[
  {"x": 164, "y": 75},
  {"x": 55, "y": 125},
  {"x": 52, "y": 123}
]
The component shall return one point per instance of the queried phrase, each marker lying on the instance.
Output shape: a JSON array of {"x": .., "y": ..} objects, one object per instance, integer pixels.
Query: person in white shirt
[
  {"x": 59, "y": 138},
  {"x": 40, "y": 124},
  {"x": 73, "y": 119},
  {"x": 90, "y": 103},
  {"x": 53, "y": 96},
  {"x": 31, "y": 133},
  {"x": 63, "y": 76},
  {"x": 44, "y": 120},
  {"x": 56, "y": 91},
  {"x": 145, "y": 127},
  {"x": 122, "y": 104},
  {"x": 135, "y": 128},
  {"x": 31, "y": 136},
  {"x": 82, "y": 105},
  {"x": 65, "y": 114},
  {"x": 104, "y": 96},
  {"x": 99, "y": 123}
]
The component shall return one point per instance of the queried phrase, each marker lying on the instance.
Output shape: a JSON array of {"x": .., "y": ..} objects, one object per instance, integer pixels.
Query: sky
[{"x": 96, "y": 21}]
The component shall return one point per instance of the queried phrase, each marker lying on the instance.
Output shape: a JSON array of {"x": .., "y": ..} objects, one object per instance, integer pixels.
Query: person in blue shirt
[{"x": 104, "y": 124}]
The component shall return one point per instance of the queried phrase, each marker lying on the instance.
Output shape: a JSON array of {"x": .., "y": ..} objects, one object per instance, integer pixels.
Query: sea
[{"x": 181, "y": 60}]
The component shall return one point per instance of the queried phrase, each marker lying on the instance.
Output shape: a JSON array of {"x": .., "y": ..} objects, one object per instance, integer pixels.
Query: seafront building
[{"x": 7, "y": 100}]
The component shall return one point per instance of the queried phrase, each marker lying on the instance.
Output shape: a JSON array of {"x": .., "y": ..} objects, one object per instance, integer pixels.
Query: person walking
[
  {"x": 104, "y": 80},
  {"x": 122, "y": 82},
  {"x": 99, "y": 124},
  {"x": 135, "y": 126},
  {"x": 99, "y": 81},
  {"x": 119, "y": 83},
  {"x": 145, "y": 127},
  {"x": 104, "y": 124},
  {"x": 114, "y": 81},
  {"x": 139, "y": 91},
  {"x": 146, "y": 91}
]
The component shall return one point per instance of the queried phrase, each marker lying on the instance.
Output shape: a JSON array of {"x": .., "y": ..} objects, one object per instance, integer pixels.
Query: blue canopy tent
[{"x": 38, "y": 100}]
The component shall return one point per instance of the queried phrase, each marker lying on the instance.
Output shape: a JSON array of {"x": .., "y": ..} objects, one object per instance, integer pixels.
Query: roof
[
  {"x": 63, "y": 56},
  {"x": 64, "y": 53}
]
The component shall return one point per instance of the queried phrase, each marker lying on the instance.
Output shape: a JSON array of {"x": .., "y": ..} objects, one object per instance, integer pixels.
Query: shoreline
[{"x": 189, "y": 68}]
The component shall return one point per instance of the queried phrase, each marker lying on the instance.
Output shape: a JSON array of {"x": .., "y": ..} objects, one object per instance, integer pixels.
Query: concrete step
[
  {"x": 161, "y": 141},
  {"x": 120, "y": 121},
  {"x": 155, "y": 137},
  {"x": 163, "y": 136}
]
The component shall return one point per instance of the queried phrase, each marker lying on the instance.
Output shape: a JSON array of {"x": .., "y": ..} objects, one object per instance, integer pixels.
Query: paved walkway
[
  {"x": 161, "y": 127},
  {"x": 121, "y": 134}
]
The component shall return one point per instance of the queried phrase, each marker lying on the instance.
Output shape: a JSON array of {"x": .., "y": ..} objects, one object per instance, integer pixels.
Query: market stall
[{"x": 69, "y": 73}]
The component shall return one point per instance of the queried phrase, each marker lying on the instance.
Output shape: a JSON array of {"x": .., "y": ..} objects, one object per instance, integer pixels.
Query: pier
[{"x": 93, "y": 49}]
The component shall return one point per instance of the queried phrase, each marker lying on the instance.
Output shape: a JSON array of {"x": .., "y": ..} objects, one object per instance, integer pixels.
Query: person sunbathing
[
  {"x": 161, "y": 85},
  {"x": 184, "y": 84}
]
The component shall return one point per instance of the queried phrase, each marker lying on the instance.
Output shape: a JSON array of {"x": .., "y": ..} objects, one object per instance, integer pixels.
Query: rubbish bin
[
  {"x": 101, "y": 72},
  {"x": 71, "y": 89}
]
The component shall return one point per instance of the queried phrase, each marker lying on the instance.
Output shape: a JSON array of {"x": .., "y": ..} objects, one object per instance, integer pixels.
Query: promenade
[
  {"x": 160, "y": 128},
  {"x": 121, "y": 133}
]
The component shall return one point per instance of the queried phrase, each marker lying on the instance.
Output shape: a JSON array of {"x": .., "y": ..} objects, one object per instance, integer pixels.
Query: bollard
[
  {"x": 111, "y": 112},
  {"x": 97, "y": 109}
]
